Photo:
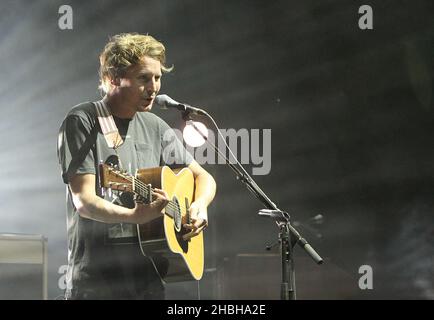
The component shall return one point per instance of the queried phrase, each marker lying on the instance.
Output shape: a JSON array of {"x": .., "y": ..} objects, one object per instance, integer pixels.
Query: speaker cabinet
[
  {"x": 23, "y": 267},
  {"x": 251, "y": 276}
]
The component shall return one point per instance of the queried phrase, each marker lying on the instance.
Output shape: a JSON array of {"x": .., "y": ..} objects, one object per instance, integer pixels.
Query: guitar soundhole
[{"x": 177, "y": 214}]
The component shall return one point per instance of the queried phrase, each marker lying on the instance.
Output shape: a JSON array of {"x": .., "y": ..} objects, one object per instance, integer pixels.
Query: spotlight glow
[{"x": 191, "y": 136}]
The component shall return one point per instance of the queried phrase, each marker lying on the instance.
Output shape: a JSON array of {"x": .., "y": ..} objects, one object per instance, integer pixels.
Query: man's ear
[{"x": 115, "y": 81}]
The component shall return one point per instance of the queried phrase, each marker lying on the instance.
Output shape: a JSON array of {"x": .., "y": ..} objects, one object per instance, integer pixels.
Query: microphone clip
[{"x": 278, "y": 215}]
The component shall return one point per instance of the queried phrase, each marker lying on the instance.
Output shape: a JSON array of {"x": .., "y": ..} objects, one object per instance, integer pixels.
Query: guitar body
[{"x": 161, "y": 239}]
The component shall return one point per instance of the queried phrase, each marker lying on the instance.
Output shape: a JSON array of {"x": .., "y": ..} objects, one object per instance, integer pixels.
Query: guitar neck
[
  {"x": 145, "y": 192},
  {"x": 122, "y": 181}
]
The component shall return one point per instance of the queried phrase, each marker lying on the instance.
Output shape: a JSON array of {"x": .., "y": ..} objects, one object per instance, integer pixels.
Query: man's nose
[{"x": 152, "y": 86}]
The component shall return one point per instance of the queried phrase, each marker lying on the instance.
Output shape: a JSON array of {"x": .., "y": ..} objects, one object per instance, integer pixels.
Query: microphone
[
  {"x": 166, "y": 102},
  {"x": 278, "y": 215}
]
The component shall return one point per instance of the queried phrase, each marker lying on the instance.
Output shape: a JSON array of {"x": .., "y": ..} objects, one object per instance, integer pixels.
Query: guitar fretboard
[{"x": 145, "y": 191}]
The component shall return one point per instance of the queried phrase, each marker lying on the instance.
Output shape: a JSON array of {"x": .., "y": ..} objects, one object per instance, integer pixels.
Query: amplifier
[{"x": 23, "y": 267}]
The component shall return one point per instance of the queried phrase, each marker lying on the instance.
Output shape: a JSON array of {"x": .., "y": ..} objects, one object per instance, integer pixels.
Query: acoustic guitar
[{"x": 161, "y": 240}]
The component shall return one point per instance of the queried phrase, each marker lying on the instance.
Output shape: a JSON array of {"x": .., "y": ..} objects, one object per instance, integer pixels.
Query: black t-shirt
[{"x": 100, "y": 255}]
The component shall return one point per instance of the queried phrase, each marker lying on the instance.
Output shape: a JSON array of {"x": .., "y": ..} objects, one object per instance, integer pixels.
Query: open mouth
[{"x": 149, "y": 99}]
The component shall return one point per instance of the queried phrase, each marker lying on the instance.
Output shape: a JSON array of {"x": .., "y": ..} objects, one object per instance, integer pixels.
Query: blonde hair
[{"x": 126, "y": 49}]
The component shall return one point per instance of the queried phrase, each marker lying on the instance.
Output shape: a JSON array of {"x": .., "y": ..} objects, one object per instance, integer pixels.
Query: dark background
[{"x": 350, "y": 110}]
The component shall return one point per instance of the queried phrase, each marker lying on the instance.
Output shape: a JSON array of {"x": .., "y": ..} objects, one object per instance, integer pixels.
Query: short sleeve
[
  {"x": 75, "y": 147},
  {"x": 173, "y": 151}
]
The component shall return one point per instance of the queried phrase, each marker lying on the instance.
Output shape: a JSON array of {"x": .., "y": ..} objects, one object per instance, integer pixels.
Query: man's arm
[
  {"x": 90, "y": 206},
  {"x": 205, "y": 189}
]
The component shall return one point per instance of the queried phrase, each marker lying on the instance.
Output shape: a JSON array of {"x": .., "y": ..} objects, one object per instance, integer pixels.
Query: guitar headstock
[{"x": 112, "y": 177}]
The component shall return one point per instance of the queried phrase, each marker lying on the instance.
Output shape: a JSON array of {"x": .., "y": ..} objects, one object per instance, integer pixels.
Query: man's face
[{"x": 140, "y": 85}]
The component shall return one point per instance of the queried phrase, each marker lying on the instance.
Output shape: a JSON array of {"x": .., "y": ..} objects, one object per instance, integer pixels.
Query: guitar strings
[{"x": 143, "y": 187}]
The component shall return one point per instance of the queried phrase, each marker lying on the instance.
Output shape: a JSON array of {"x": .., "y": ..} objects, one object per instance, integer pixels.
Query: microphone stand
[{"x": 288, "y": 236}]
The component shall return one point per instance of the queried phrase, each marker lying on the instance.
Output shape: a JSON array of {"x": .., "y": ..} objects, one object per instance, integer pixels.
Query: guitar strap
[{"x": 108, "y": 125}]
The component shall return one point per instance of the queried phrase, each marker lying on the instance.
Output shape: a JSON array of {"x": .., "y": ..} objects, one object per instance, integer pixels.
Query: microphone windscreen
[{"x": 161, "y": 101}]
